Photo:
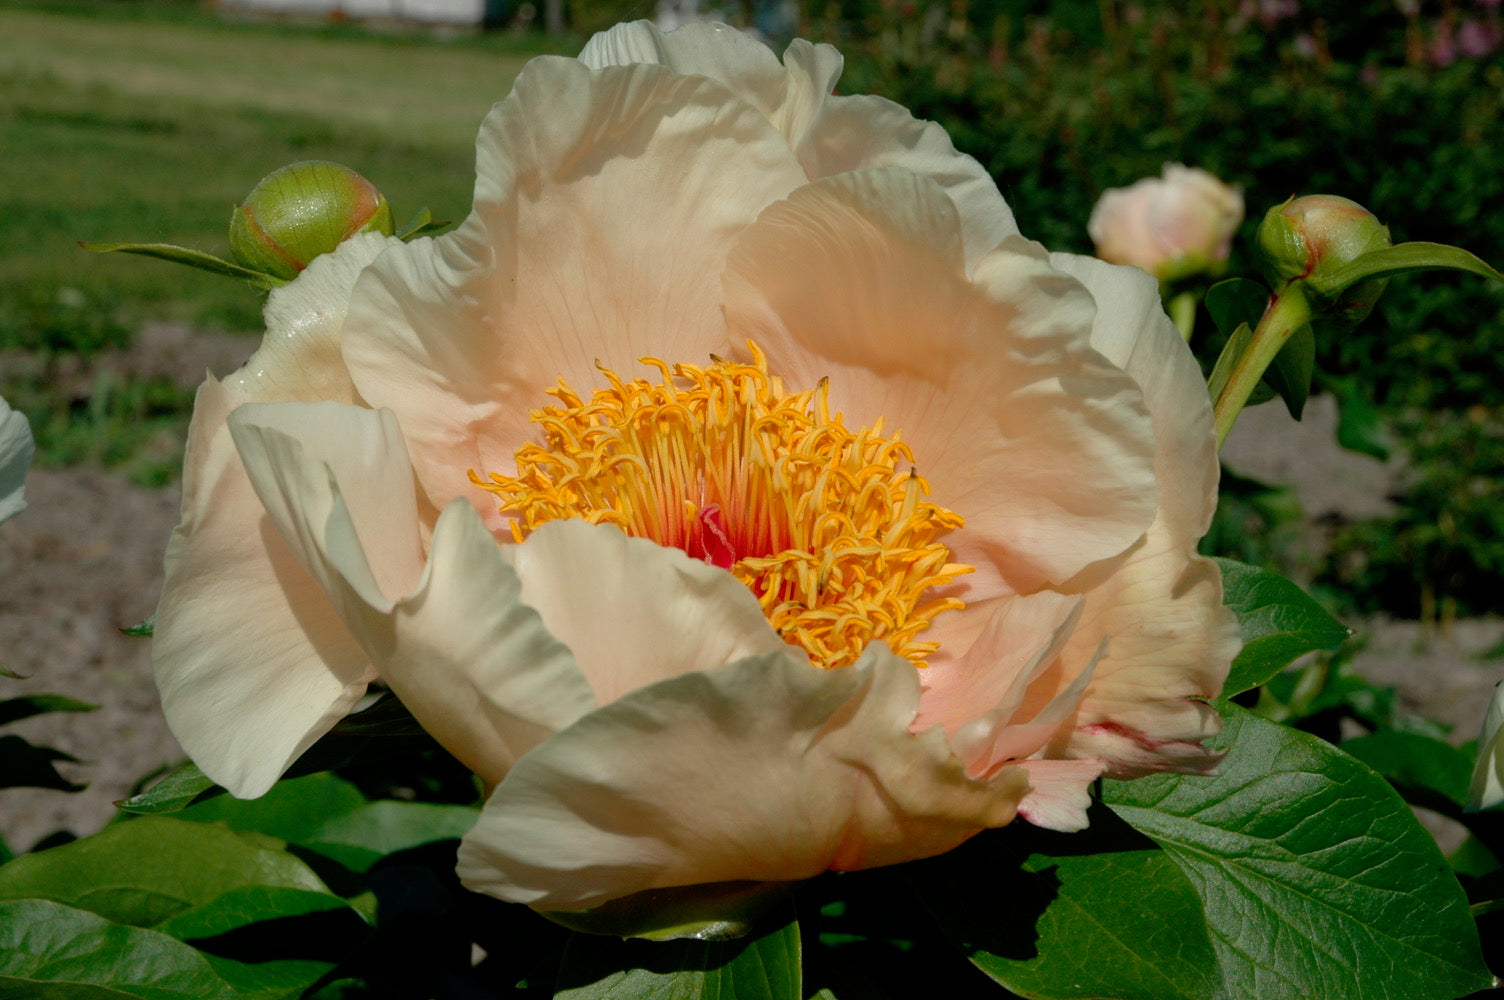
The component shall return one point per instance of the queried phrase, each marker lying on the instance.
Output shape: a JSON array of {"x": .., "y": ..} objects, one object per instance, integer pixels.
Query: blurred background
[{"x": 146, "y": 120}]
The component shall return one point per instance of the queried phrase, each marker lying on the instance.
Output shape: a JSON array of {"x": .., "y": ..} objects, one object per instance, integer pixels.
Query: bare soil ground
[{"x": 85, "y": 560}]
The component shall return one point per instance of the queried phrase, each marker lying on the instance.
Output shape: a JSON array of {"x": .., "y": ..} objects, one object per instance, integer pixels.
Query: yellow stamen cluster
[{"x": 818, "y": 521}]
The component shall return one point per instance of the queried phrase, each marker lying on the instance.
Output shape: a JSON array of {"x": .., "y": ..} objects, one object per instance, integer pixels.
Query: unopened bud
[
  {"x": 1316, "y": 235},
  {"x": 302, "y": 210}
]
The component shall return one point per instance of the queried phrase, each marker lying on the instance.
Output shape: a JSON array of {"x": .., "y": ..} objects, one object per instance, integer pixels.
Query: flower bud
[
  {"x": 302, "y": 210},
  {"x": 1172, "y": 226},
  {"x": 1314, "y": 236}
]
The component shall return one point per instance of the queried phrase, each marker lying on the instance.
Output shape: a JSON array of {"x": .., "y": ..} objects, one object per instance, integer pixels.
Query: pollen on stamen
[{"x": 829, "y": 528}]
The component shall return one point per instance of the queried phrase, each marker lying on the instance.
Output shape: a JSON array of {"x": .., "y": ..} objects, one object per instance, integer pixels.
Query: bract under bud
[
  {"x": 1316, "y": 235},
  {"x": 302, "y": 210}
]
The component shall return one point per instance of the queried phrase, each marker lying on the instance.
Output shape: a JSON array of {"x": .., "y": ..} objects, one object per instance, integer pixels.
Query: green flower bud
[
  {"x": 1316, "y": 235},
  {"x": 302, "y": 210}
]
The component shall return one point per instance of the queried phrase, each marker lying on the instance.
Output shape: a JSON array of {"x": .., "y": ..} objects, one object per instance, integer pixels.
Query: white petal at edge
[
  {"x": 766, "y": 770},
  {"x": 1486, "y": 787},
  {"x": 16, "y": 448},
  {"x": 252, "y": 662}
]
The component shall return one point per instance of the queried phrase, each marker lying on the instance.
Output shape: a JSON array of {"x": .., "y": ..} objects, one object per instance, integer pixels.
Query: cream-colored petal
[
  {"x": 1059, "y": 794},
  {"x": 764, "y": 770},
  {"x": 337, "y": 483},
  {"x": 1486, "y": 788},
  {"x": 1171, "y": 642},
  {"x": 1133, "y": 332},
  {"x": 1041, "y": 445},
  {"x": 299, "y": 357},
  {"x": 252, "y": 661},
  {"x": 16, "y": 447},
  {"x": 605, "y": 204},
  {"x": 452, "y": 638},
  {"x": 633, "y": 612}
]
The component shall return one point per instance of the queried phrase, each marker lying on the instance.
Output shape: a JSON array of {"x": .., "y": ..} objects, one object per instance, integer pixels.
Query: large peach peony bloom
[{"x": 735, "y": 492}]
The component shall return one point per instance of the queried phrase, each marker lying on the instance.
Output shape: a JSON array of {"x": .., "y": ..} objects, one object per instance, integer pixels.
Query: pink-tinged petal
[
  {"x": 764, "y": 770},
  {"x": 299, "y": 357},
  {"x": 462, "y": 335},
  {"x": 471, "y": 662},
  {"x": 1060, "y": 793},
  {"x": 252, "y": 660},
  {"x": 633, "y": 612},
  {"x": 1042, "y": 446},
  {"x": 1170, "y": 644},
  {"x": 1017, "y": 637}
]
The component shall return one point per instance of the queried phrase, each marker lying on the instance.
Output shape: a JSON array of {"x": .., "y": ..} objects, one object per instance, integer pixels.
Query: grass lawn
[
  {"x": 150, "y": 130},
  {"x": 147, "y": 123}
]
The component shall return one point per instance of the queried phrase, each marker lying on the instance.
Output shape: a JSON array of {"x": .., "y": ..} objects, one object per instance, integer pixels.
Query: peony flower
[
  {"x": 1173, "y": 226},
  {"x": 15, "y": 455},
  {"x": 734, "y": 491}
]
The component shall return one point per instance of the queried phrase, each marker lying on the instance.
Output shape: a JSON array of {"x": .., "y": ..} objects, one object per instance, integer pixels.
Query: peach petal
[
  {"x": 764, "y": 770},
  {"x": 462, "y": 335},
  {"x": 1041, "y": 445}
]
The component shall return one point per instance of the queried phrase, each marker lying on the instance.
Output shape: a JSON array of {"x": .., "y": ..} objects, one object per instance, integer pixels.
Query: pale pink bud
[{"x": 1173, "y": 226}]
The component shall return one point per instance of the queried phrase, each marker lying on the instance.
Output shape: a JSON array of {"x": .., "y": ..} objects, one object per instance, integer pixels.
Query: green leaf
[
  {"x": 278, "y": 979},
  {"x": 23, "y": 765},
  {"x": 176, "y": 790},
  {"x": 195, "y": 259},
  {"x": 419, "y": 224},
  {"x": 142, "y": 629},
  {"x": 1292, "y": 369},
  {"x": 761, "y": 968},
  {"x": 1317, "y": 880},
  {"x": 1360, "y": 427},
  {"x": 1413, "y": 763},
  {"x": 247, "y": 905},
  {"x": 54, "y": 952},
  {"x": 1103, "y": 913},
  {"x": 360, "y": 838},
  {"x": 327, "y": 814},
  {"x": 149, "y": 869},
  {"x": 1236, "y": 344},
  {"x": 13, "y": 709},
  {"x": 293, "y": 810},
  {"x": 1279, "y": 621},
  {"x": 1399, "y": 259},
  {"x": 1236, "y": 302}
]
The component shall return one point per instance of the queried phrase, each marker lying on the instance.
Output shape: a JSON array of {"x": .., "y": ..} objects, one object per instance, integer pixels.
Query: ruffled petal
[
  {"x": 633, "y": 612},
  {"x": 605, "y": 204},
  {"x": 16, "y": 447},
  {"x": 765, "y": 770},
  {"x": 471, "y": 663},
  {"x": 1170, "y": 640},
  {"x": 1043, "y": 447},
  {"x": 252, "y": 661}
]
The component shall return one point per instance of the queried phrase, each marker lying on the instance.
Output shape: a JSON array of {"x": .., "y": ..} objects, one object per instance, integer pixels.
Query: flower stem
[{"x": 1287, "y": 312}]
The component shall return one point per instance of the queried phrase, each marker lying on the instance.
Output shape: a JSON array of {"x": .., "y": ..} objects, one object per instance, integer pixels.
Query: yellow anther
[{"x": 828, "y": 527}]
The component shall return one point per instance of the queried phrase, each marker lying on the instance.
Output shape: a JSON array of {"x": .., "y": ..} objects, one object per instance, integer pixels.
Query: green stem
[
  {"x": 1183, "y": 314},
  {"x": 1288, "y": 311}
]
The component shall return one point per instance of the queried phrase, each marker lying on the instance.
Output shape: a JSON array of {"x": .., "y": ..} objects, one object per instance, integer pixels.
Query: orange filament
[{"x": 835, "y": 541}]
